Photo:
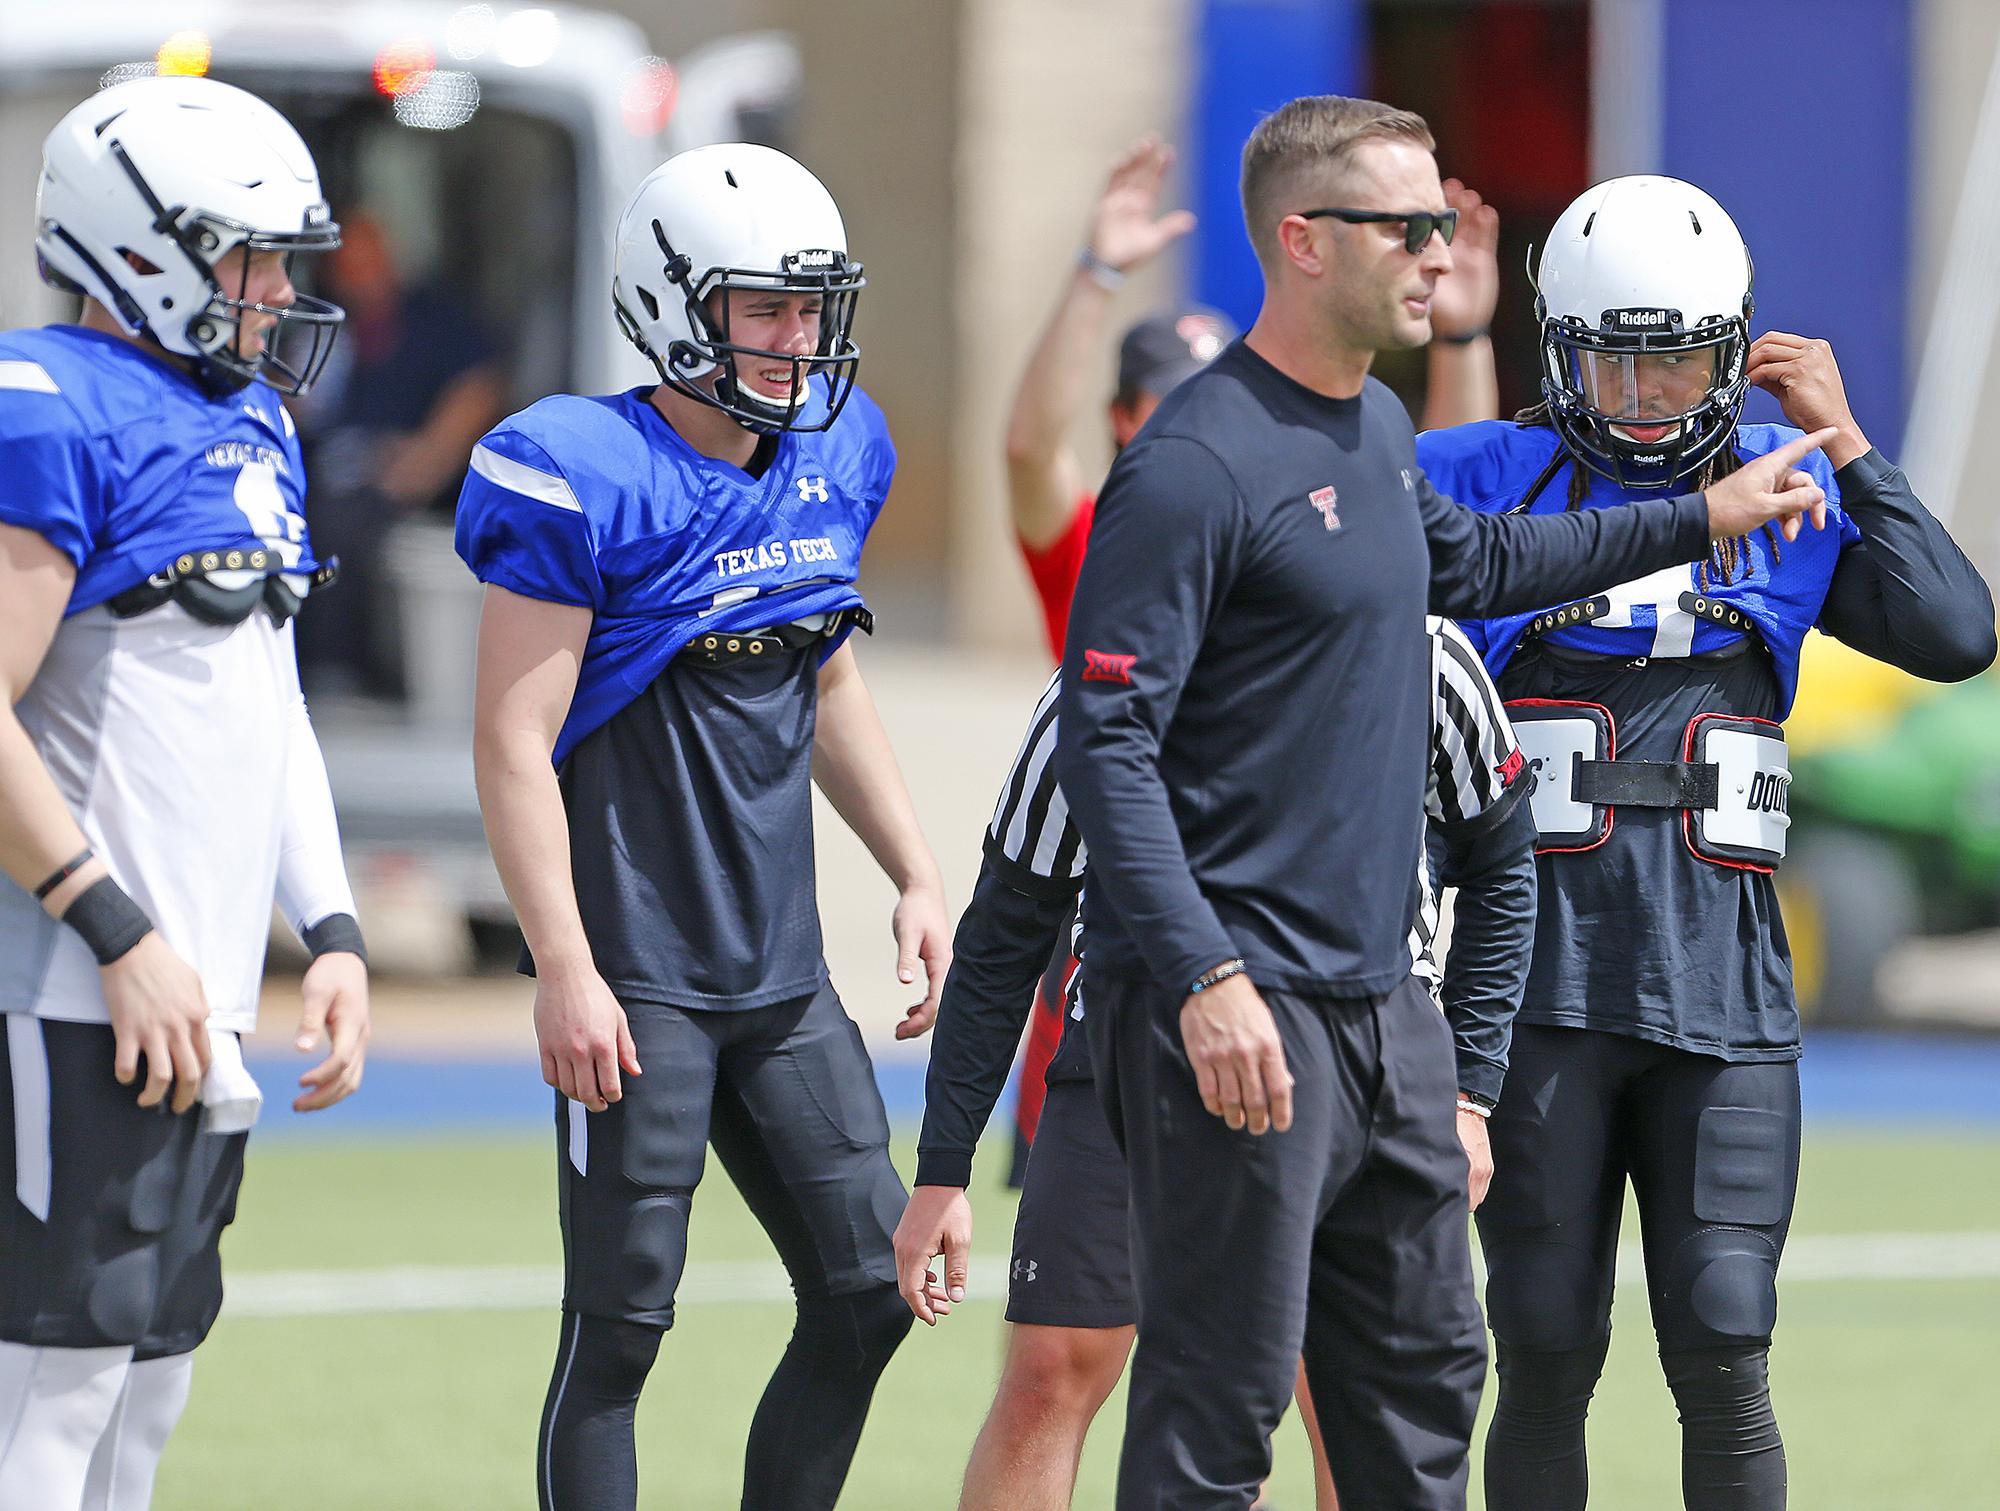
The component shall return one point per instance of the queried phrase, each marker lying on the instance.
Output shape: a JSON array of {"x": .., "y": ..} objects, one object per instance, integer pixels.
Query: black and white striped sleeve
[
  {"x": 1031, "y": 842},
  {"x": 1477, "y": 771}
]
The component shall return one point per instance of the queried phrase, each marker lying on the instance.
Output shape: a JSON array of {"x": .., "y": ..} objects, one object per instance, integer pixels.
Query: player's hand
[
  {"x": 1478, "y": 1154},
  {"x": 334, "y": 1001},
  {"x": 1239, "y": 1060},
  {"x": 937, "y": 1220},
  {"x": 1805, "y": 380},
  {"x": 158, "y": 1012},
  {"x": 923, "y": 938},
  {"x": 1127, "y": 229},
  {"x": 1464, "y": 299},
  {"x": 584, "y": 1038},
  {"x": 1769, "y": 488}
]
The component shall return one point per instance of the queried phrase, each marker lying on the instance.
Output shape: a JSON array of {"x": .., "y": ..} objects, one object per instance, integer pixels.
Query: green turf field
[{"x": 1885, "y": 1385}]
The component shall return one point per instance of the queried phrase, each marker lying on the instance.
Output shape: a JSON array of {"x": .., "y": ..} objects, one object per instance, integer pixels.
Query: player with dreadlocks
[{"x": 1659, "y": 1038}]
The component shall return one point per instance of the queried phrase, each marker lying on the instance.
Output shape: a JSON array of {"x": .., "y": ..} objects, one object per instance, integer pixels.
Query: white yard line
[{"x": 445, "y": 1288}]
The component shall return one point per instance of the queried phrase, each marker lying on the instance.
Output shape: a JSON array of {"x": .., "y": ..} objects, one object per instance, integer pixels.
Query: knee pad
[
  {"x": 609, "y": 1359},
  {"x": 1724, "y": 1398},
  {"x": 1544, "y": 1297},
  {"x": 1721, "y": 1286},
  {"x": 856, "y": 1332},
  {"x": 1547, "y": 1389}
]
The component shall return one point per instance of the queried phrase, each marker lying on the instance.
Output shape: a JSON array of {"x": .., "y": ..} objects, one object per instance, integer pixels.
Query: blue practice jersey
[
  {"x": 124, "y": 463},
  {"x": 598, "y": 502},
  {"x": 1491, "y": 464},
  {"x": 1636, "y": 935}
]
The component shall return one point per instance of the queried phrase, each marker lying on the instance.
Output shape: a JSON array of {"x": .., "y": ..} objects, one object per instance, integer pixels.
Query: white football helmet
[
  {"x": 177, "y": 172},
  {"x": 1644, "y": 267},
  {"x": 736, "y": 216}
]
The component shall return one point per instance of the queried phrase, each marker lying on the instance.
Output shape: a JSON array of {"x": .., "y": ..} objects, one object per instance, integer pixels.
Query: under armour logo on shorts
[
  {"x": 812, "y": 490},
  {"x": 1024, "y": 1270}
]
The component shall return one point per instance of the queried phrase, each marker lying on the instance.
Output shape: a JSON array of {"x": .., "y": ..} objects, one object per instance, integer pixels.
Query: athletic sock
[
  {"x": 1535, "y": 1446},
  {"x": 803, "y": 1437},
  {"x": 586, "y": 1459},
  {"x": 128, "y": 1454},
  {"x": 1732, "y": 1458},
  {"x": 54, "y": 1406}
]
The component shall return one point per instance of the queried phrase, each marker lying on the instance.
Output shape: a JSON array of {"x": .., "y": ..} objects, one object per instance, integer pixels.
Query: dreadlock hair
[{"x": 1725, "y": 556}]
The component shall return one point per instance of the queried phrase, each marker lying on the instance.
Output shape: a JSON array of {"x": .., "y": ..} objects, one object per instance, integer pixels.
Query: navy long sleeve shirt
[{"x": 1245, "y": 717}]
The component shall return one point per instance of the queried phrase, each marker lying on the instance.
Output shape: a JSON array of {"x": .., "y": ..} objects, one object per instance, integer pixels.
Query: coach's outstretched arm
[
  {"x": 529, "y": 653},
  {"x": 1483, "y": 565},
  {"x": 1165, "y": 547},
  {"x": 155, "y": 998}
]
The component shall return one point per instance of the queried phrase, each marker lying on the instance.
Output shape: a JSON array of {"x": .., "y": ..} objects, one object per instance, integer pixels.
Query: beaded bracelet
[
  {"x": 1466, "y": 1104},
  {"x": 1220, "y": 974}
]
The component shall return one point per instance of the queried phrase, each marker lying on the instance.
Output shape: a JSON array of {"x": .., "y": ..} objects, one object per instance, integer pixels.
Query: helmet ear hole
[{"x": 652, "y": 304}]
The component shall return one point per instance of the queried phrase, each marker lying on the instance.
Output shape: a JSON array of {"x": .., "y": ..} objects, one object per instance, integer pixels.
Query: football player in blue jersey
[
  {"x": 160, "y": 783},
  {"x": 662, "y": 676},
  {"x": 1659, "y": 1038}
]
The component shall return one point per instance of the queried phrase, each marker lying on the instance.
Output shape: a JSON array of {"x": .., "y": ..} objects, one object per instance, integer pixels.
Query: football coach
[{"x": 1244, "y": 737}]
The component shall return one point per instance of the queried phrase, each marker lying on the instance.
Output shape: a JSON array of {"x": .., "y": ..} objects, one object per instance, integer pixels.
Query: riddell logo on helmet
[
  {"x": 1642, "y": 317},
  {"x": 800, "y": 261}
]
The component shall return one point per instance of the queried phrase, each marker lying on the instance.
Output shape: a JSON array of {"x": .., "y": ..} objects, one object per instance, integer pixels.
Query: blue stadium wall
[{"x": 1796, "y": 114}]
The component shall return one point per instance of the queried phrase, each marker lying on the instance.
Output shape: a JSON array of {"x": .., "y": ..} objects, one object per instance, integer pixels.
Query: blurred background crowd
[{"x": 477, "y": 155}]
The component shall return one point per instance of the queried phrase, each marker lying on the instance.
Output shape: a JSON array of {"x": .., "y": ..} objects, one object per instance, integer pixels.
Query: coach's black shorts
[
  {"x": 788, "y": 1098},
  {"x": 1072, "y": 1263},
  {"x": 113, "y": 1213}
]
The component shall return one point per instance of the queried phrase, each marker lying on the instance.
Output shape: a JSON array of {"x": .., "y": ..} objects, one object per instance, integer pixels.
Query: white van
[{"x": 495, "y": 145}]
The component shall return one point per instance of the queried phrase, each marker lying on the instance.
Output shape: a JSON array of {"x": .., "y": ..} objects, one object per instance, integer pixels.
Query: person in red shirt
[
  {"x": 1048, "y": 498},
  {"x": 1051, "y": 505}
]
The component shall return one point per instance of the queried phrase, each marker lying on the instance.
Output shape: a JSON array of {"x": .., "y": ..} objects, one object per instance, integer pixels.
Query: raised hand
[
  {"x": 1127, "y": 229},
  {"x": 1465, "y": 298},
  {"x": 1805, "y": 380}
]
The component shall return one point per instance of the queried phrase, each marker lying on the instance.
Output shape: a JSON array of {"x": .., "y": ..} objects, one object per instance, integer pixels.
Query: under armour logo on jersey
[
  {"x": 812, "y": 490},
  {"x": 1510, "y": 768},
  {"x": 1323, "y": 499},
  {"x": 1024, "y": 1270},
  {"x": 1108, "y": 666}
]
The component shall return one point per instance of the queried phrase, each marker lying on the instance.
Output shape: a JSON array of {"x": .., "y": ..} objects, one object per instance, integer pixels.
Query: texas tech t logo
[{"x": 1324, "y": 499}]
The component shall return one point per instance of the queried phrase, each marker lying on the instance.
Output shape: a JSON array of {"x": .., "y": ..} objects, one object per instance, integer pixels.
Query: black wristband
[
  {"x": 110, "y": 922},
  {"x": 1467, "y": 339},
  {"x": 336, "y": 934},
  {"x": 64, "y": 872}
]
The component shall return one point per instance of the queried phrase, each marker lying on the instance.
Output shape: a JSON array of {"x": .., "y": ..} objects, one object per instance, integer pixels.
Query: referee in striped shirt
[{"x": 1070, "y": 1296}]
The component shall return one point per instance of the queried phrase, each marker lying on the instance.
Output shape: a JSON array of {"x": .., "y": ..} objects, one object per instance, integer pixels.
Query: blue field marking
[
  {"x": 402, "y": 1096},
  {"x": 1870, "y": 1076},
  {"x": 1846, "y": 1076}
]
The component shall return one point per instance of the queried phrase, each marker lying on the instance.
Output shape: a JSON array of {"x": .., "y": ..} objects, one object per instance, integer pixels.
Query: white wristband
[{"x": 1465, "y": 1104}]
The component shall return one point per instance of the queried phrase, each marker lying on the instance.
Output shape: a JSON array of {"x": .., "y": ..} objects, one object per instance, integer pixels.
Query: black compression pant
[
  {"x": 1711, "y": 1149},
  {"x": 786, "y": 1097}
]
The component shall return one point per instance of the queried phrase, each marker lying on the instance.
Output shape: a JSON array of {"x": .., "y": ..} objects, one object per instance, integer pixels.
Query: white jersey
[{"x": 170, "y": 740}]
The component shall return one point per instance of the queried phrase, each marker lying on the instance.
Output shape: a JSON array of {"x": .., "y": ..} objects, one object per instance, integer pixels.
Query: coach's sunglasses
[{"x": 1417, "y": 224}]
